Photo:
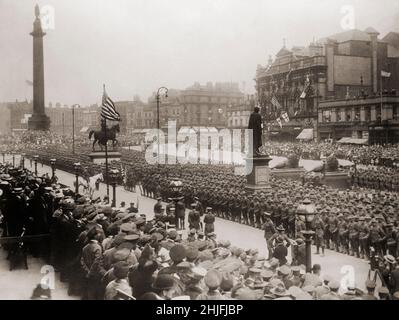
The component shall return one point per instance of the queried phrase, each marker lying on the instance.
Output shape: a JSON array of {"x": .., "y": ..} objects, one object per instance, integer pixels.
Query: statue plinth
[
  {"x": 39, "y": 122},
  {"x": 258, "y": 170},
  {"x": 98, "y": 157}
]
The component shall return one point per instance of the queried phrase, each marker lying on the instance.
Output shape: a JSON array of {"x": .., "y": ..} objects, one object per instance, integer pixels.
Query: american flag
[{"x": 108, "y": 110}]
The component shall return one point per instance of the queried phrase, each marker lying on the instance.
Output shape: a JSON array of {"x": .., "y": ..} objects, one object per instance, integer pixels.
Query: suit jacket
[{"x": 90, "y": 253}]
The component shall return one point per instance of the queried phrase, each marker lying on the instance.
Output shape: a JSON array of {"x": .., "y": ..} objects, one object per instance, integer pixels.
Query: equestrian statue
[{"x": 104, "y": 135}]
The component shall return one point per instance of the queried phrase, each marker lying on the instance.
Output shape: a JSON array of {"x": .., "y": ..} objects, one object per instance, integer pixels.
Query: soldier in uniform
[
  {"x": 257, "y": 214},
  {"x": 353, "y": 229},
  {"x": 270, "y": 230},
  {"x": 318, "y": 226},
  {"x": 209, "y": 220},
  {"x": 376, "y": 237},
  {"x": 194, "y": 218},
  {"x": 343, "y": 236},
  {"x": 364, "y": 235},
  {"x": 333, "y": 228}
]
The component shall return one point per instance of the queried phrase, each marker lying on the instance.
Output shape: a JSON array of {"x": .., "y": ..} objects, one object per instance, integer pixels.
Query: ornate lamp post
[
  {"x": 13, "y": 159},
  {"x": 306, "y": 212},
  {"x": 158, "y": 97},
  {"x": 114, "y": 175},
  {"x": 35, "y": 158},
  {"x": 76, "y": 166},
  {"x": 52, "y": 162}
]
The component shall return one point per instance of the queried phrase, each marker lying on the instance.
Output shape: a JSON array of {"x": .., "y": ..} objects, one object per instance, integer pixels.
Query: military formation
[
  {"x": 118, "y": 253},
  {"x": 361, "y": 222}
]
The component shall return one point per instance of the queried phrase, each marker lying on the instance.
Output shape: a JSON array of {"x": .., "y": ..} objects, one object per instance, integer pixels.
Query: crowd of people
[
  {"x": 118, "y": 253},
  {"x": 362, "y": 222}
]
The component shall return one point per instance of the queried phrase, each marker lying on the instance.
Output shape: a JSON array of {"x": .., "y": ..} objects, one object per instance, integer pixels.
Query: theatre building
[{"x": 340, "y": 68}]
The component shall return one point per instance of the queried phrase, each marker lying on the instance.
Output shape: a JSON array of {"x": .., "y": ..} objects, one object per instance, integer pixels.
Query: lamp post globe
[{"x": 114, "y": 175}]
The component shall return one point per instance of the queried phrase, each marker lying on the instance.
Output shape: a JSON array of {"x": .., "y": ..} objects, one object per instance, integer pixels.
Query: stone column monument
[{"x": 39, "y": 119}]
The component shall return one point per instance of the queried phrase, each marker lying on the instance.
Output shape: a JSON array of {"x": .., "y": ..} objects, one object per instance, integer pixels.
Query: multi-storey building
[
  {"x": 337, "y": 67},
  {"x": 208, "y": 105}
]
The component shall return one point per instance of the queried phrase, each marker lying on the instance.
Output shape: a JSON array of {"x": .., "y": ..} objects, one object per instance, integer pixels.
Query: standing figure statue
[
  {"x": 104, "y": 135},
  {"x": 255, "y": 124}
]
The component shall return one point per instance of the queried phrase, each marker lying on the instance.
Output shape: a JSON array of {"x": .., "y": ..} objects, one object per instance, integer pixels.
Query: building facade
[
  {"x": 372, "y": 118},
  {"x": 208, "y": 105},
  {"x": 341, "y": 66}
]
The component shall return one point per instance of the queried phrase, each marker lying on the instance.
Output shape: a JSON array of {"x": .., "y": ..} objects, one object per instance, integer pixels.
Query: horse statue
[{"x": 102, "y": 138}]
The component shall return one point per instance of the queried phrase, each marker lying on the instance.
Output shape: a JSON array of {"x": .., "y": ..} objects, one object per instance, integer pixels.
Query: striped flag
[
  {"x": 108, "y": 110},
  {"x": 275, "y": 102},
  {"x": 307, "y": 83}
]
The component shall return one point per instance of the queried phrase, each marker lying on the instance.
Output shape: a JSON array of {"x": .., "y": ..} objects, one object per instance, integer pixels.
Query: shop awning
[
  {"x": 306, "y": 134},
  {"x": 348, "y": 140}
]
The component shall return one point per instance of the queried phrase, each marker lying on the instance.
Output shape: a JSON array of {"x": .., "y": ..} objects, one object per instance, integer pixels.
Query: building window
[
  {"x": 367, "y": 114},
  {"x": 348, "y": 115},
  {"x": 339, "y": 117},
  {"x": 395, "y": 112},
  {"x": 357, "y": 114},
  {"x": 326, "y": 116}
]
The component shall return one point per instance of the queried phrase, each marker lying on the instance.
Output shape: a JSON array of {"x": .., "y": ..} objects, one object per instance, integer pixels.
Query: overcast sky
[{"x": 135, "y": 46}]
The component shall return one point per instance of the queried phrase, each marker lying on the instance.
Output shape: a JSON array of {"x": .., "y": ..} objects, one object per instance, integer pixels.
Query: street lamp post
[
  {"x": 77, "y": 167},
  {"x": 13, "y": 159},
  {"x": 73, "y": 127},
  {"x": 22, "y": 161},
  {"x": 52, "y": 162},
  {"x": 306, "y": 212},
  {"x": 158, "y": 97},
  {"x": 114, "y": 174},
  {"x": 35, "y": 158}
]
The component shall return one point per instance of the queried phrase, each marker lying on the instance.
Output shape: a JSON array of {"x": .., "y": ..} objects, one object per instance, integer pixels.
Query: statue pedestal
[
  {"x": 258, "y": 178},
  {"x": 99, "y": 156},
  {"x": 39, "y": 122}
]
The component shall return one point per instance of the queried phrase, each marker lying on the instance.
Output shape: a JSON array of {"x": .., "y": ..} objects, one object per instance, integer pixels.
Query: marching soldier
[
  {"x": 318, "y": 226},
  {"x": 353, "y": 229},
  {"x": 364, "y": 235},
  {"x": 269, "y": 230}
]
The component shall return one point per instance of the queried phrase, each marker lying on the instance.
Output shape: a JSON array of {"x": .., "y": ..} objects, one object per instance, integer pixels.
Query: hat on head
[
  {"x": 191, "y": 253},
  {"x": 213, "y": 279},
  {"x": 389, "y": 258},
  {"x": 132, "y": 237},
  {"x": 177, "y": 253},
  {"x": 334, "y": 285},
  {"x": 121, "y": 269},
  {"x": 163, "y": 282},
  {"x": 284, "y": 270},
  {"x": 227, "y": 281}
]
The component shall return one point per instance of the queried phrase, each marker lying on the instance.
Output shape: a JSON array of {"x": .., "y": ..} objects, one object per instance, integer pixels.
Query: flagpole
[{"x": 106, "y": 150}]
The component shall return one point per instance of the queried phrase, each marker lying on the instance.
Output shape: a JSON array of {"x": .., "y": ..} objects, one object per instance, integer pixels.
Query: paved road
[{"x": 339, "y": 266}]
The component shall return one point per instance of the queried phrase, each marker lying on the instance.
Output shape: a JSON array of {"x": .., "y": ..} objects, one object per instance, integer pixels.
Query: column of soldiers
[{"x": 350, "y": 221}]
